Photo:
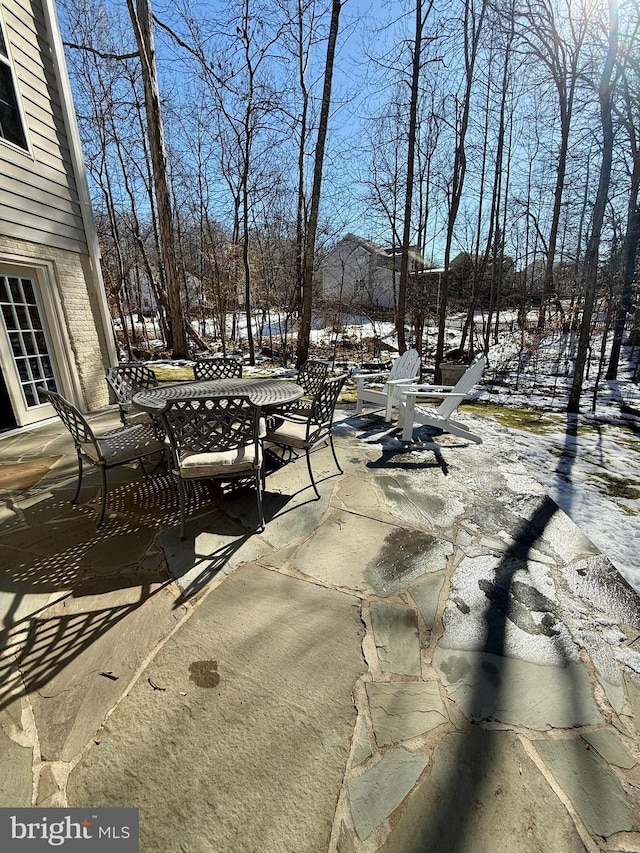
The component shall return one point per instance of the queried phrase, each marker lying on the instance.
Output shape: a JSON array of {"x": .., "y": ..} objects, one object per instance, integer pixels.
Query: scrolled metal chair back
[
  {"x": 324, "y": 403},
  {"x": 73, "y": 420},
  {"x": 311, "y": 376},
  {"x": 217, "y": 368},
  {"x": 127, "y": 379},
  {"x": 211, "y": 424}
]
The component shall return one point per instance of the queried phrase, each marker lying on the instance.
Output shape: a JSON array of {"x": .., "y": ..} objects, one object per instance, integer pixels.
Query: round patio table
[{"x": 264, "y": 393}]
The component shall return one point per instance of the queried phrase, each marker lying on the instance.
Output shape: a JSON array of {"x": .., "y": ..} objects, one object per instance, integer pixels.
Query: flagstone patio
[{"x": 431, "y": 657}]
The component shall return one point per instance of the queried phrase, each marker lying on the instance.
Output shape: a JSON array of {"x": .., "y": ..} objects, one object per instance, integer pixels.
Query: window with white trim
[
  {"x": 26, "y": 333},
  {"x": 11, "y": 125}
]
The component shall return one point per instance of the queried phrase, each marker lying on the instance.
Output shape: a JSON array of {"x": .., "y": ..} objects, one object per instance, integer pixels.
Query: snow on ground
[
  {"x": 589, "y": 464},
  {"x": 594, "y": 477}
]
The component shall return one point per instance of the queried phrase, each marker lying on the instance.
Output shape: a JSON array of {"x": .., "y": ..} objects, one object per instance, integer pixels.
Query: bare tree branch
[{"x": 87, "y": 49}]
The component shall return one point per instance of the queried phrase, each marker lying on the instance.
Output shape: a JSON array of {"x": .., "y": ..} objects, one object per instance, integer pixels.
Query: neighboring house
[
  {"x": 362, "y": 274},
  {"x": 138, "y": 296},
  {"x": 482, "y": 278},
  {"x": 56, "y": 329}
]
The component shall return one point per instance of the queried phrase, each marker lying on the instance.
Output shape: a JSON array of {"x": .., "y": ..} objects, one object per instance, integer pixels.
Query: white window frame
[{"x": 8, "y": 62}]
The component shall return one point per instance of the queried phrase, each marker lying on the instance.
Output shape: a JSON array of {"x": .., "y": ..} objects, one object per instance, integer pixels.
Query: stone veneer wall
[{"x": 78, "y": 297}]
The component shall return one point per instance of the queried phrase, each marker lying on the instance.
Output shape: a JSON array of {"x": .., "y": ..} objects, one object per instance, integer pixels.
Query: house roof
[
  {"x": 388, "y": 252},
  {"x": 369, "y": 245}
]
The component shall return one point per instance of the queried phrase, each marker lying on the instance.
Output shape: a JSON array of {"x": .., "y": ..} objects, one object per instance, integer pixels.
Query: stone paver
[
  {"x": 593, "y": 788},
  {"x": 255, "y": 739},
  {"x": 16, "y": 788},
  {"x": 431, "y": 657},
  {"x": 403, "y": 710},
  {"x": 395, "y": 629},
  {"x": 341, "y": 549},
  {"x": 426, "y": 594},
  {"x": 483, "y": 795},
  {"x": 489, "y": 687},
  {"x": 374, "y": 795},
  {"x": 607, "y": 743},
  {"x": 82, "y": 660},
  {"x": 403, "y": 558}
]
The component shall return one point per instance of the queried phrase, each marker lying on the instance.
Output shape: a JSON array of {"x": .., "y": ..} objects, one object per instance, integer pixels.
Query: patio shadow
[{"x": 458, "y": 793}]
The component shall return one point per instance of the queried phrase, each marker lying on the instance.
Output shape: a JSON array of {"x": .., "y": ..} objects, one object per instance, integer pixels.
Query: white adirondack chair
[
  {"x": 406, "y": 368},
  {"x": 411, "y": 412}
]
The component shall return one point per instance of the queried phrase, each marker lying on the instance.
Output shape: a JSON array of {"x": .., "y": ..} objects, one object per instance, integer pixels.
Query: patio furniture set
[{"x": 216, "y": 426}]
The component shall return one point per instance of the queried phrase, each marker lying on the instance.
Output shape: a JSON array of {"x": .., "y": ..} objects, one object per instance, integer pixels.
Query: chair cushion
[
  {"x": 262, "y": 427},
  {"x": 125, "y": 444},
  {"x": 220, "y": 463},
  {"x": 289, "y": 432}
]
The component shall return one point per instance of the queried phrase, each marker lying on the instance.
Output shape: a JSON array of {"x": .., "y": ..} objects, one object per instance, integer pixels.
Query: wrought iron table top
[{"x": 265, "y": 393}]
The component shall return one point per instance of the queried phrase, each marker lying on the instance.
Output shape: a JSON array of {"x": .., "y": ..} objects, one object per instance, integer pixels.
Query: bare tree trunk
[
  {"x": 479, "y": 263},
  {"x": 495, "y": 240},
  {"x": 301, "y": 202},
  {"x": 542, "y": 35},
  {"x": 141, "y": 19},
  {"x": 629, "y": 253},
  {"x": 473, "y": 23},
  {"x": 411, "y": 158},
  {"x": 631, "y": 238},
  {"x": 591, "y": 259},
  {"x": 304, "y": 332},
  {"x": 247, "y": 142}
]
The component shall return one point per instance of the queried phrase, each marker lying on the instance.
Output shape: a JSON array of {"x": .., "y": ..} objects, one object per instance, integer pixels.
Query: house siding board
[
  {"x": 383, "y": 287},
  {"x": 42, "y": 226},
  {"x": 24, "y": 16},
  {"x": 48, "y": 195},
  {"x": 36, "y": 99},
  {"x": 36, "y": 74},
  {"x": 41, "y": 189},
  {"x": 37, "y": 86},
  {"x": 51, "y": 166},
  {"x": 50, "y": 162},
  {"x": 43, "y": 235}
]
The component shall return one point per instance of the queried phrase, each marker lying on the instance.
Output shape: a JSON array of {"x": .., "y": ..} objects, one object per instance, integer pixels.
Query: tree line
[{"x": 229, "y": 143}]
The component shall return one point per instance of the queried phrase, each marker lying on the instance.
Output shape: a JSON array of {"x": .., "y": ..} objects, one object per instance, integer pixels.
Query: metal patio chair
[
  {"x": 119, "y": 446},
  {"x": 215, "y": 438},
  {"x": 303, "y": 432},
  {"x": 310, "y": 377},
  {"x": 126, "y": 380},
  {"x": 218, "y": 368}
]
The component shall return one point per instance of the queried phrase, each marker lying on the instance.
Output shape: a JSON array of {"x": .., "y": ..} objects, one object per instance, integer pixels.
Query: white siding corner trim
[{"x": 82, "y": 186}]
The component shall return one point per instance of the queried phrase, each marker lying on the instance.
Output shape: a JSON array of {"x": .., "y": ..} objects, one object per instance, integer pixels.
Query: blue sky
[{"x": 357, "y": 94}]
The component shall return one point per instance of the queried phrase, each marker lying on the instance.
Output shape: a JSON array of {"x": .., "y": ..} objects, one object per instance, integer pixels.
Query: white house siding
[
  {"x": 383, "y": 287},
  {"x": 357, "y": 271},
  {"x": 45, "y": 219},
  {"x": 38, "y": 195}
]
